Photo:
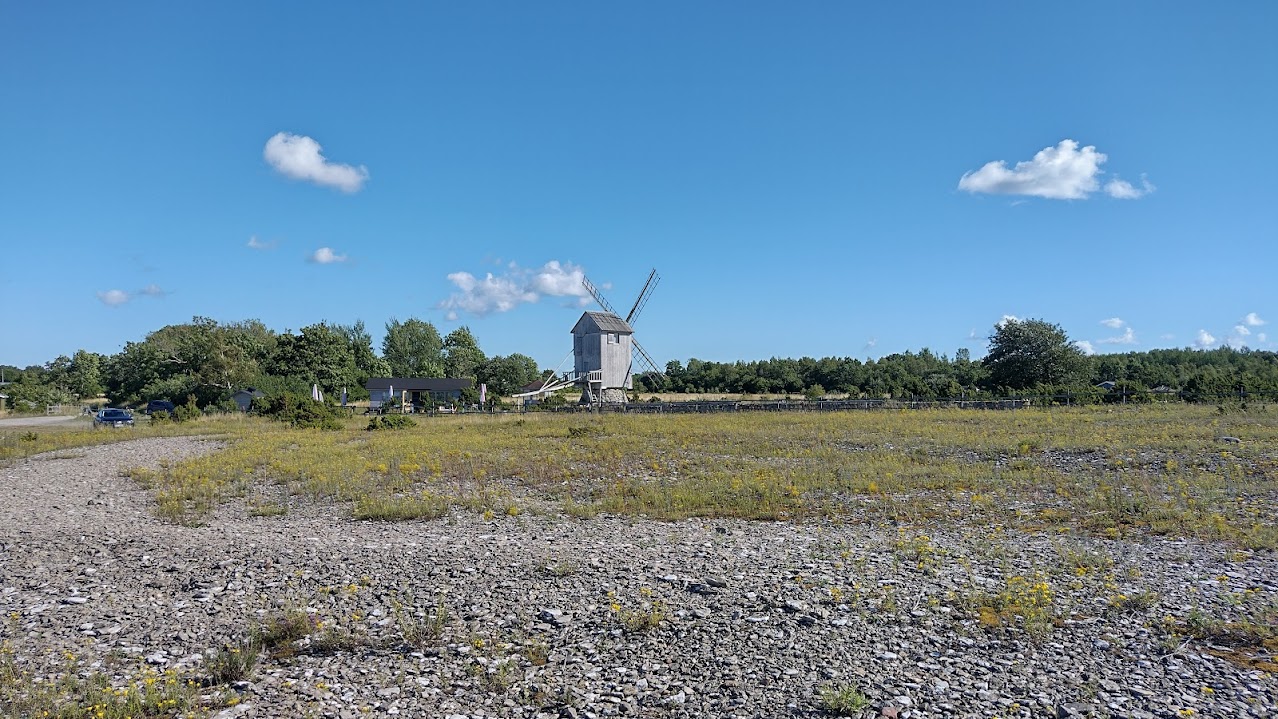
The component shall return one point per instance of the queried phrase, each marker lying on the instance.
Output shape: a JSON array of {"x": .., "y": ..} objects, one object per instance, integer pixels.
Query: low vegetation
[{"x": 1155, "y": 469}]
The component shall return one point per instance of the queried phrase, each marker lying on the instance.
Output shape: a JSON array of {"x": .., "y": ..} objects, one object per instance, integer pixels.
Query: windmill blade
[
  {"x": 644, "y": 357},
  {"x": 642, "y": 299},
  {"x": 594, "y": 292}
]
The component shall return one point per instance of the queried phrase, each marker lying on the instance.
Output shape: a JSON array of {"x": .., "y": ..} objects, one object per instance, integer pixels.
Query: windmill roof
[{"x": 602, "y": 322}]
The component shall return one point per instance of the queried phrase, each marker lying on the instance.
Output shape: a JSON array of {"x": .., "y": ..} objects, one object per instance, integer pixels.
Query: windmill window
[{"x": 612, "y": 338}]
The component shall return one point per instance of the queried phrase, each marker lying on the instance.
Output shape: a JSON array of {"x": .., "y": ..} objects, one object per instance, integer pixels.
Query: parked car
[
  {"x": 112, "y": 418},
  {"x": 159, "y": 405}
]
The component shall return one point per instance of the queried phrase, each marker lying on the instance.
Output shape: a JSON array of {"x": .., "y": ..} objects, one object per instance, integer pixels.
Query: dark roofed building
[
  {"x": 244, "y": 398},
  {"x": 416, "y": 390}
]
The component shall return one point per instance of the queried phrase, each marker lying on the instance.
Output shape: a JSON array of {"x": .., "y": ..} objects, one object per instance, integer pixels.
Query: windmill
[
  {"x": 604, "y": 348},
  {"x": 605, "y": 352}
]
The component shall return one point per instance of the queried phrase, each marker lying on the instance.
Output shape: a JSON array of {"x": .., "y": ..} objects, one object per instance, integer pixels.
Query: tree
[
  {"x": 319, "y": 355},
  {"x": 505, "y": 375},
  {"x": 367, "y": 363},
  {"x": 462, "y": 356},
  {"x": 413, "y": 349},
  {"x": 84, "y": 376},
  {"x": 1027, "y": 353}
]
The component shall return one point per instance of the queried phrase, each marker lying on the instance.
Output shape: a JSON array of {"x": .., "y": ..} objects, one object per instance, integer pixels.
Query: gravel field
[{"x": 541, "y": 615}]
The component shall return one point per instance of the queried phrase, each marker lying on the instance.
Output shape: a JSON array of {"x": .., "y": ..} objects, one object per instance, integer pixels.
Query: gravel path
[
  {"x": 36, "y": 420},
  {"x": 547, "y": 616}
]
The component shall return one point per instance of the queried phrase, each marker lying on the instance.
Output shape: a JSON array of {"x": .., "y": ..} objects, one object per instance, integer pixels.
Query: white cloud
[
  {"x": 1238, "y": 338},
  {"x": 1168, "y": 336},
  {"x": 299, "y": 157},
  {"x": 1205, "y": 340},
  {"x": 1112, "y": 323},
  {"x": 871, "y": 343},
  {"x": 1262, "y": 338},
  {"x": 560, "y": 281},
  {"x": 257, "y": 244},
  {"x": 326, "y": 256},
  {"x": 1064, "y": 172},
  {"x": 1085, "y": 346},
  {"x": 1253, "y": 320},
  {"x": 1007, "y": 319},
  {"x": 1126, "y": 338},
  {"x": 114, "y": 298},
  {"x": 1124, "y": 190},
  {"x": 505, "y": 292}
]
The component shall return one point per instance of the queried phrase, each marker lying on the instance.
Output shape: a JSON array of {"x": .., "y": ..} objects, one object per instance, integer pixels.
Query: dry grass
[{"x": 1158, "y": 469}]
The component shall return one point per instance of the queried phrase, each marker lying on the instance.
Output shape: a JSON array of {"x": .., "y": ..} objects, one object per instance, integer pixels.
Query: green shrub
[
  {"x": 298, "y": 410},
  {"x": 188, "y": 411},
  {"x": 390, "y": 421},
  {"x": 161, "y": 417}
]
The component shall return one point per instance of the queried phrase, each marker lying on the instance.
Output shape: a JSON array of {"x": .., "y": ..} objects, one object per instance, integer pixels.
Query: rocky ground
[{"x": 540, "y": 615}]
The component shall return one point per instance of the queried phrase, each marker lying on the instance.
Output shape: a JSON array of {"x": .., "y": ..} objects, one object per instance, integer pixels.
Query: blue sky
[{"x": 808, "y": 179}]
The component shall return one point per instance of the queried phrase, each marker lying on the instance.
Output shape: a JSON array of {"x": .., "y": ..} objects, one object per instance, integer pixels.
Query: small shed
[{"x": 244, "y": 398}]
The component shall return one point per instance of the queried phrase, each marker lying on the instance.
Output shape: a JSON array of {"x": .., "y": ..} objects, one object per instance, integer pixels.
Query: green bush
[
  {"x": 298, "y": 410},
  {"x": 391, "y": 421},
  {"x": 188, "y": 411},
  {"x": 161, "y": 417}
]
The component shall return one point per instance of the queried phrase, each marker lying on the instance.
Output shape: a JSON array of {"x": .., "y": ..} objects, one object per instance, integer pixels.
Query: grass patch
[
  {"x": 74, "y": 693},
  {"x": 399, "y": 509},
  {"x": 843, "y": 700}
]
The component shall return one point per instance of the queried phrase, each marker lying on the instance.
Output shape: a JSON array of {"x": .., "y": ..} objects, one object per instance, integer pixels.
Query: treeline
[
  {"x": 210, "y": 361},
  {"x": 1198, "y": 375}
]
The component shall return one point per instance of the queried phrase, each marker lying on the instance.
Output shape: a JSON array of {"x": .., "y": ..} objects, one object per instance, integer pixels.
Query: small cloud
[
  {"x": 326, "y": 256},
  {"x": 1124, "y": 190},
  {"x": 1253, "y": 320},
  {"x": 299, "y": 157},
  {"x": 1168, "y": 336},
  {"x": 1006, "y": 320},
  {"x": 1063, "y": 172},
  {"x": 1262, "y": 338},
  {"x": 114, "y": 298},
  {"x": 257, "y": 244},
  {"x": 1112, "y": 323},
  {"x": 1126, "y": 338},
  {"x": 505, "y": 292},
  {"x": 1238, "y": 338},
  {"x": 1205, "y": 340},
  {"x": 1085, "y": 346},
  {"x": 871, "y": 343},
  {"x": 973, "y": 335}
]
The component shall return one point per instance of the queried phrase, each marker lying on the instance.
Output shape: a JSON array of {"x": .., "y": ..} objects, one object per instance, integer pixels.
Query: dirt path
[{"x": 36, "y": 420}]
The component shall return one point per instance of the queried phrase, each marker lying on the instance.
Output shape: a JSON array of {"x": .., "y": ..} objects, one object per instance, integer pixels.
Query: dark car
[
  {"x": 159, "y": 405},
  {"x": 112, "y": 418}
]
